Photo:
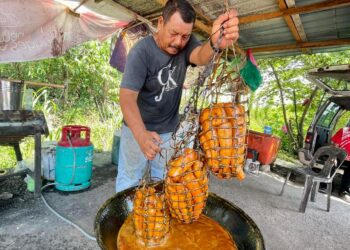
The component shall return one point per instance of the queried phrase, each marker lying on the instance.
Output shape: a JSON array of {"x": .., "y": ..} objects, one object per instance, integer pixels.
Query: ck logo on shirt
[{"x": 168, "y": 84}]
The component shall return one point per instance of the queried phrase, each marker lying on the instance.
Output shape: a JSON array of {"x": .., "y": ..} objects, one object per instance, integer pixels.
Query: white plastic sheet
[{"x": 38, "y": 29}]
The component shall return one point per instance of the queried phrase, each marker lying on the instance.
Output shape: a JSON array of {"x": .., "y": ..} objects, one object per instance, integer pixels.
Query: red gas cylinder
[{"x": 74, "y": 133}]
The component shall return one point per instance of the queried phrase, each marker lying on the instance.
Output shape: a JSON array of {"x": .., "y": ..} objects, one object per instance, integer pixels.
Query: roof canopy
[
  {"x": 270, "y": 27},
  {"x": 37, "y": 29}
]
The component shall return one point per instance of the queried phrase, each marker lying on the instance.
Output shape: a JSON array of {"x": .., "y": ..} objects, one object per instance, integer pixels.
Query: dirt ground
[{"x": 26, "y": 223}]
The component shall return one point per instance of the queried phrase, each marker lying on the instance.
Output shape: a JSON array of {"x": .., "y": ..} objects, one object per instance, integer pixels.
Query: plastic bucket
[
  {"x": 115, "y": 148},
  {"x": 268, "y": 130},
  {"x": 48, "y": 160}
]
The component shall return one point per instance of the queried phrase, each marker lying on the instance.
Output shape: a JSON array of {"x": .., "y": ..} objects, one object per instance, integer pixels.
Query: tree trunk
[
  {"x": 296, "y": 118},
  {"x": 18, "y": 69},
  {"x": 105, "y": 93},
  {"x": 306, "y": 109},
  {"x": 66, "y": 84},
  {"x": 290, "y": 132}
]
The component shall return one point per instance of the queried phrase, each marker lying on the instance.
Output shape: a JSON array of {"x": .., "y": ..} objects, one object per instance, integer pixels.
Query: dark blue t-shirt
[{"x": 158, "y": 77}]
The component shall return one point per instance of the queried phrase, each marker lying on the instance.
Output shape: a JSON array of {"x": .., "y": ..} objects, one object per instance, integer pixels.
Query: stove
[
  {"x": 22, "y": 118},
  {"x": 15, "y": 125},
  {"x": 17, "y": 115}
]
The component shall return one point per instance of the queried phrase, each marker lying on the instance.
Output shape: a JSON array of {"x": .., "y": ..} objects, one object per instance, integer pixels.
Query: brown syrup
[{"x": 204, "y": 234}]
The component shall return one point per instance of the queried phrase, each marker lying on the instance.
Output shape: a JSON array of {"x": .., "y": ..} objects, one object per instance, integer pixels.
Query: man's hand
[
  {"x": 230, "y": 33},
  {"x": 149, "y": 143},
  {"x": 147, "y": 140},
  {"x": 229, "y": 21}
]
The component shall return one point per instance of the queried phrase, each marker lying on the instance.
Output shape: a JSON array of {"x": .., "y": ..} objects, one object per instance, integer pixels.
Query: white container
[
  {"x": 48, "y": 160},
  {"x": 11, "y": 94},
  {"x": 251, "y": 167}
]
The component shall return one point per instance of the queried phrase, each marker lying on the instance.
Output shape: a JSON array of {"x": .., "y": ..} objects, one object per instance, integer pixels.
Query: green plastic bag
[{"x": 251, "y": 75}]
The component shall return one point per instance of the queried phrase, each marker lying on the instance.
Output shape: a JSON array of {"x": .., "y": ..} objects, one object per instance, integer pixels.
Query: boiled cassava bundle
[
  {"x": 186, "y": 186},
  {"x": 151, "y": 215},
  {"x": 223, "y": 139}
]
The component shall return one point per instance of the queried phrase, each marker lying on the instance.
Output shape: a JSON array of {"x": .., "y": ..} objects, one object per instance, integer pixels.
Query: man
[
  {"x": 342, "y": 140},
  {"x": 152, "y": 84}
]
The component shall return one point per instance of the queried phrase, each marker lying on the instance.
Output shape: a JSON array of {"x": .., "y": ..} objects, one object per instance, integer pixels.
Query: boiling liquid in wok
[{"x": 203, "y": 234}]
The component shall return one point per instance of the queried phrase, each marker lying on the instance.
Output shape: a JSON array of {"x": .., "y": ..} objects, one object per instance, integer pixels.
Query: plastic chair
[{"x": 332, "y": 158}]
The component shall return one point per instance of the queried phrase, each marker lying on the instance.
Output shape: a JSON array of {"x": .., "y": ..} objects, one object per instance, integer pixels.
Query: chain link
[
  {"x": 203, "y": 76},
  {"x": 193, "y": 100}
]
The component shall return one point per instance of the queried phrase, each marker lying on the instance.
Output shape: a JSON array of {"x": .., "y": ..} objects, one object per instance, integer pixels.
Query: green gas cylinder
[{"x": 74, "y": 156}]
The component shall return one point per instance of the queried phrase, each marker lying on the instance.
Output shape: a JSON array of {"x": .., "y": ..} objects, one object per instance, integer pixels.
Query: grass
[
  {"x": 102, "y": 132},
  {"x": 286, "y": 156}
]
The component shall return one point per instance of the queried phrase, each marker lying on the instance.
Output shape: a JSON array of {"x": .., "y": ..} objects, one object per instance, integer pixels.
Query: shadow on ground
[{"x": 26, "y": 223}]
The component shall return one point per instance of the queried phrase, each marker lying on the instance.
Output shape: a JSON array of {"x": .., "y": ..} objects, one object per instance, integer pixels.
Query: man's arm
[
  {"x": 202, "y": 54},
  {"x": 147, "y": 140}
]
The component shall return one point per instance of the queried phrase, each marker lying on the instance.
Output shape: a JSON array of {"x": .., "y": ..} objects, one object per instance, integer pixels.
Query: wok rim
[{"x": 259, "y": 237}]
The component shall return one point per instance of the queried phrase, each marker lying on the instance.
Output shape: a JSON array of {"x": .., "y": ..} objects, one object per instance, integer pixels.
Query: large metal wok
[{"x": 114, "y": 211}]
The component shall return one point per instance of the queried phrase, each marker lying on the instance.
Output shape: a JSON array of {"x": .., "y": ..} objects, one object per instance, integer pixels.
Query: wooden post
[
  {"x": 37, "y": 165},
  {"x": 66, "y": 84}
]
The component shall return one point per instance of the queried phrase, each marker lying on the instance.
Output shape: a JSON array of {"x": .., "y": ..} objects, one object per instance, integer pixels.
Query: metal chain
[
  {"x": 146, "y": 178},
  {"x": 204, "y": 75},
  {"x": 199, "y": 83}
]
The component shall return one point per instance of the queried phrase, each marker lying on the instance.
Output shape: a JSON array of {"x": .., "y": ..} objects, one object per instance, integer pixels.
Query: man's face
[{"x": 174, "y": 34}]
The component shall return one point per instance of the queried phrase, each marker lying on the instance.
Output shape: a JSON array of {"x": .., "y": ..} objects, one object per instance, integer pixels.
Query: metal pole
[{"x": 37, "y": 165}]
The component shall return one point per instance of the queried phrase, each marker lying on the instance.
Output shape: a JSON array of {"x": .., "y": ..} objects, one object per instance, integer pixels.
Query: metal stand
[
  {"x": 16, "y": 125},
  {"x": 37, "y": 165},
  {"x": 17, "y": 151}
]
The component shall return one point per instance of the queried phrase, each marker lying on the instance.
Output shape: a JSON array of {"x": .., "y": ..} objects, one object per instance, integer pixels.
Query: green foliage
[
  {"x": 266, "y": 105},
  {"x": 286, "y": 156},
  {"x": 91, "y": 96},
  {"x": 343, "y": 121},
  {"x": 8, "y": 158},
  {"x": 91, "y": 77},
  {"x": 90, "y": 99}
]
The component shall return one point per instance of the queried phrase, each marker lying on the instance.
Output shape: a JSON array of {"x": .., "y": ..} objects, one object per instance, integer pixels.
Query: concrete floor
[{"x": 26, "y": 223}]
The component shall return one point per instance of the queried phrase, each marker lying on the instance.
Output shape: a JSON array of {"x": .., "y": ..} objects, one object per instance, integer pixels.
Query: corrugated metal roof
[
  {"x": 326, "y": 25},
  {"x": 319, "y": 26},
  {"x": 323, "y": 25},
  {"x": 141, "y": 7}
]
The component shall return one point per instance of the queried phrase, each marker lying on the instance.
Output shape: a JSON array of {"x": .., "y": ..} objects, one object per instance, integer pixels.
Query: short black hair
[{"x": 185, "y": 9}]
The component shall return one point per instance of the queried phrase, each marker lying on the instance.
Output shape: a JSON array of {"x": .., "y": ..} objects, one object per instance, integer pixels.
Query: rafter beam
[
  {"x": 331, "y": 4},
  {"x": 297, "y": 31},
  {"x": 283, "y": 6},
  {"x": 302, "y": 45},
  {"x": 297, "y": 21},
  {"x": 199, "y": 12},
  {"x": 198, "y": 24},
  {"x": 130, "y": 12},
  {"x": 205, "y": 28}
]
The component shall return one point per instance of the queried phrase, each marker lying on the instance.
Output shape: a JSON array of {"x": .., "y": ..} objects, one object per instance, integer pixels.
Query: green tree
[
  {"x": 90, "y": 97},
  {"x": 287, "y": 98},
  {"x": 85, "y": 72}
]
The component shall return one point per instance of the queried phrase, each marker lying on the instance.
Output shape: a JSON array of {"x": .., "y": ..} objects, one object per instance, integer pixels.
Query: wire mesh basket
[
  {"x": 186, "y": 186},
  {"x": 186, "y": 183},
  {"x": 151, "y": 214},
  {"x": 223, "y": 123}
]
